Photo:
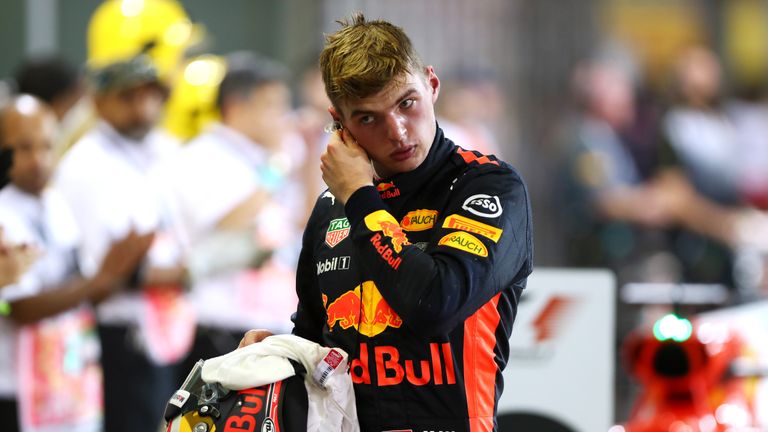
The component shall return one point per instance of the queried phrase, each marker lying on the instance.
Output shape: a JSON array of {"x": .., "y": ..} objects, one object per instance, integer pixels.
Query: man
[
  {"x": 57, "y": 387},
  {"x": 63, "y": 88},
  {"x": 109, "y": 181},
  {"x": 242, "y": 239},
  {"x": 415, "y": 259}
]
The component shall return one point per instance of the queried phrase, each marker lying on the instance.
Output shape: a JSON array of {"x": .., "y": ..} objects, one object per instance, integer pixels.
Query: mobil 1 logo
[{"x": 332, "y": 264}]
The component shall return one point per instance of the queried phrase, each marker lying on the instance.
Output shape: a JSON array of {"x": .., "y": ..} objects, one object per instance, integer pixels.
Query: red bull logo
[
  {"x": 244, "y": 415},
  {"x": 368, "y": 313},
  {"x": 385, "y": 252},
  {"x": 381, "y": 187},
  {"x": 388, "y": 190},
  {"x": 381, "y": 220},
  {"x": 389, "y": 369}
]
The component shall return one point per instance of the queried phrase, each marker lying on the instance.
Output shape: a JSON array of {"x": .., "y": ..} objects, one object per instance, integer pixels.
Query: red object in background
[{"x": 688, "y": 386}]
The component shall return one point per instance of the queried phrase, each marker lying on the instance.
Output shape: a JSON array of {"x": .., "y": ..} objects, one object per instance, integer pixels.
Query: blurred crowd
[
  {"x": 671, "y": 188},
  {"x": 667, "y": 189},
  {"x": 151, "y": 209},
  {"x": 152, "y": 201}
]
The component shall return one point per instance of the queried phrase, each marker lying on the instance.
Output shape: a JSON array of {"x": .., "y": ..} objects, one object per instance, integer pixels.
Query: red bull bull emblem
[
  {"x": 338, "y": 230},
  {"x": 388, "y": 190},
  {"x": 369, "y": 314}
]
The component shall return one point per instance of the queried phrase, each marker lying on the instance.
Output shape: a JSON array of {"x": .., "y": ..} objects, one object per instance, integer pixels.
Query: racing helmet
[{"x": 209, "y": 407}]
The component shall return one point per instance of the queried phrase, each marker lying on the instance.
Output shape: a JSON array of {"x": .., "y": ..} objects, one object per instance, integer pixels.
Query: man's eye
[
  {"x": 406, "y": 103},
  {"x": 366, "y": 120}
]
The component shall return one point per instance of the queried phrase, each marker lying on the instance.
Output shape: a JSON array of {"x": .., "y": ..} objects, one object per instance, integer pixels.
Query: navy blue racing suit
[{"x": 418, "y": 279}]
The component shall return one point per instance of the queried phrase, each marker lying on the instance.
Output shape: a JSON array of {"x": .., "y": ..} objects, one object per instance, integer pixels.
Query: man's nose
[
  {"x": 148, "y": 108},
  {"x": 395, "y": 127}
]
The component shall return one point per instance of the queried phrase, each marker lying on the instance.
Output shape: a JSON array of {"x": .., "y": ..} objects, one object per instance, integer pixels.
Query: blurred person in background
[
  {"x": 109, "y": 180},
  {"x": 238, "y": 191},
  {"x": 62, "y": 86},
  {"x": 616, "y": 215},
  {"x": 697, "y": 129},
  {"x": 749, "y": 114},
  {"x": 471, "y": 105},
  {"x": 700, "y": 141},
  {"x": 15, "y": 259},
  {"x": 635, "y": 221},
  {"x": 311, "y": 117},
  {"x": 49, "y": 368}
]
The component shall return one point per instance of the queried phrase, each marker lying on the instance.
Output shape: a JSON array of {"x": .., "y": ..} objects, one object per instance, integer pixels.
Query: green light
[
  {"x": 5, "y": 308},
  {"x": 672, "y": 327}
]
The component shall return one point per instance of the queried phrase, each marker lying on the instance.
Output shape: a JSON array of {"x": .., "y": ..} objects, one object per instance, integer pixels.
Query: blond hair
[{"x": 363, "y": 57}]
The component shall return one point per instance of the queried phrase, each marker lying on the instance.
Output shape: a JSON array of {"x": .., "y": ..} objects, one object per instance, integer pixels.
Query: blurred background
[
  {"x": 528, "y": 50},
  {"x": 640, "y": 126}
]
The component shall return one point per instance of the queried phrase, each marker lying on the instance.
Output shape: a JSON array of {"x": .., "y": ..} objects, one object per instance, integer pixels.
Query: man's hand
[
  {"x": 346, "y": 167},
  {"x": 122, "y": 259},
  {"x": 254, "y": 336},
  {"x": 15, "y": 260}
]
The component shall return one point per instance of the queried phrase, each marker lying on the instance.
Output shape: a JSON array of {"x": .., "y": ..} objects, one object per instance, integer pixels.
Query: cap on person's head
[{"x": 124, "y": 74}]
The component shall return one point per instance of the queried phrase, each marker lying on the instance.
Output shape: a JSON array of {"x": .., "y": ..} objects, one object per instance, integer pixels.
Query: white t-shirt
[
  {"x": 111, "y": 185},
  {"x": 213, "y": 175},
  {"x": 47, "y": 224},
  {"x": 57, "y": 377}
]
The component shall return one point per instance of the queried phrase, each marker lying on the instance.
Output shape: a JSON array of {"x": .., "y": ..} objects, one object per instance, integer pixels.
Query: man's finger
[{"x": 254, "y": 336}]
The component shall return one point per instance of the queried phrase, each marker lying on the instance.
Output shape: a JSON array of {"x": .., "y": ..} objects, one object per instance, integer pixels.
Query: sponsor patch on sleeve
[
  {"x": 419, "y": 220},
  {"x": 459, "y": 222},
  {"x": 464, "y": 241},
  {"x": 381, "y": 220},
  {"x": 337, "y": 231},
  {"x": 483, "y": 205}
]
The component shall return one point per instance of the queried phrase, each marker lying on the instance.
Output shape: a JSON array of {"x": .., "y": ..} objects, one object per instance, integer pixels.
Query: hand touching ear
[{"x": 346, "y": 167}]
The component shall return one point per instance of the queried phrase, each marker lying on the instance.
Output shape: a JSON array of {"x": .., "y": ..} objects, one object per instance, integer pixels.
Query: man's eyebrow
[{"x": 402, "y": 97}]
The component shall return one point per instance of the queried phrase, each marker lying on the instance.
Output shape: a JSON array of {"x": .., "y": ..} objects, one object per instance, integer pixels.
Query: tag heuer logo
[{"x": 338, "y": 230}]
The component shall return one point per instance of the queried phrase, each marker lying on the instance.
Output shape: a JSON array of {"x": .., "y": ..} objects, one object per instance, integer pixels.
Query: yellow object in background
[
  {"x": 192, "y": 103},
  {"x": 121, "y": 29},
  {"x": 746, "y": 40}
]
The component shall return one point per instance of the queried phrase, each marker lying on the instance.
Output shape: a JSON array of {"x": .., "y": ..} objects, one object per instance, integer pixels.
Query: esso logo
[{"x": 483, "y": 205}]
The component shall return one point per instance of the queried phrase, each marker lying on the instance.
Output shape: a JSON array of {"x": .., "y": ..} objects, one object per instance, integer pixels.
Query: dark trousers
[
  {"x": 9, "y": 415},
  {"x": 136, "y": 391}
]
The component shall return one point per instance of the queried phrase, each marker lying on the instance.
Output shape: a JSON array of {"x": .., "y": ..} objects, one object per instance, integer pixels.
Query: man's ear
[
  {"x": 334, "y": 114},
  {"x": 433, "y": 82}
]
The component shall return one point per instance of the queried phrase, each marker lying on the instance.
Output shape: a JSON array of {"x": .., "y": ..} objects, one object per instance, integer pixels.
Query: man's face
[
  {"x": 396, "y": 126},
  {"x": 132, "y": 111},
  {"x": 30, "y": 135},
  {"x": 267, "y": 109}
]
